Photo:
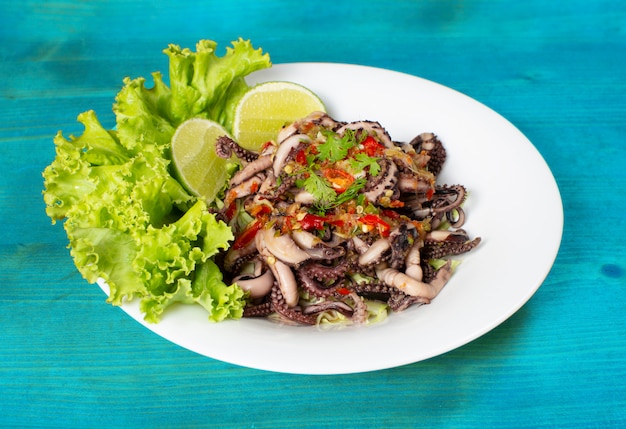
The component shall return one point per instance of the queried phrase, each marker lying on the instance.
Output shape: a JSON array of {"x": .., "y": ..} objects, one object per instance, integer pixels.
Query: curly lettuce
[{"x": 128, "y": 220}]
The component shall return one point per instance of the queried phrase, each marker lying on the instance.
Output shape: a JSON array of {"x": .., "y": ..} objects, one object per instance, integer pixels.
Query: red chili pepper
[
  {"x": 311, "y": 221},
  {"x": 266, "y": 145},
  {"x": 340, "y": 179},
  {"x": 392, "y": 214},
  {"x": 343, "y": 291},
  {"x": 375, "y": 221},
  {"x": 430, "y": 193},
  {"x": 247, "y": 235},
  {"x": 337, "y": 222},
  {"x": 301, "y": 157},
  {"x": 260, "y": 210},
  {"x": 287, "y": 225},
  {"x": 230, "y": 211},
  {"x": 372, "y": 147}
]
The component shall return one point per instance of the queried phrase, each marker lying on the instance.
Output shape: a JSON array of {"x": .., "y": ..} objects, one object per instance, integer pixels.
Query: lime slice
[
  {"x": 269, "y": 106},
  {"x": 196, "y": 164}
]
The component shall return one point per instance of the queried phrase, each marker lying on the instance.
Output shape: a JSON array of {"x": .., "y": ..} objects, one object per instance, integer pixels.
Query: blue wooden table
[{"x": 556, "y": 70}]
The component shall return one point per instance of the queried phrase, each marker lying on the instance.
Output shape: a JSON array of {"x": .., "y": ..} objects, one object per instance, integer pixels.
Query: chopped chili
[
  {"x": 430, "y": 193},
  {"x": 230, "y": 211},
  {"x": 311, "y": 221},
  {"x": 260, "y": 210},
  {"x": 372, "y": 147},
  {"x": 340, "y": 179},
  {"x": 301, "y": 157},
  {"x": 247, "y": 235},
  {"x": 392, "y": 214},
  {"x": 375, "y": 221}
]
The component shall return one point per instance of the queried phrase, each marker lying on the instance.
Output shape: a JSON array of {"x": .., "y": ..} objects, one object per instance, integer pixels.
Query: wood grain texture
[{"x": 554, "y": 69}]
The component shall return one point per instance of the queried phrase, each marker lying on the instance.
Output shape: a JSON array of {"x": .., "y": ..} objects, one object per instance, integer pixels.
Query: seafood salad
[{"x": 335, "y": 222}]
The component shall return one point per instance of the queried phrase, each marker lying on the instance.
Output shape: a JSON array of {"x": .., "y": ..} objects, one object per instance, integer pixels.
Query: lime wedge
[
  {"x": 269, "y": 106},
  {"x": 196, "y": 165}
]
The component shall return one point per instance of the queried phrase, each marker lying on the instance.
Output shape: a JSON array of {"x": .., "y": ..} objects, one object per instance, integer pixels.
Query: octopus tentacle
[
  {"x": 313, "y": 286},
  {"x": 315, "y": 247},
  {"x": 280, "y": 306},
  {"x": 428, "y": 271},
  {"x": 323, "y": 272},
  {"x": 375, "y": 253},
  {"x": 236, "y": 257},
  {"x": 225, "y": 147},
  {"x": 304, "y": 125},
  {"x": 359, "y": 315},
  {"x": 371, "y": 127},
  {"x": 413, "y": 263},
  {"x": 244, "y": 189},
  {"x": 456, "y": 217},
  {"x": 384, "y": 187},
  {"x": 282, "y": 272},
  {"x": 439, "y": 249},
  {"x": 401, "y": 301},
  {"x": 432, "y": 146},
  {"x": 250, "y": 170},
  {"x": 412, "y": 183},
  {"x": 320, "y": 307},
  {"x": 256, "y": 285},
  {"x": 375, "y": 287},
  {"x": 401, "y": 239},
  {"x": 364, "y": 270},
  {"x": 286, "y": 184},
  {"x": 260, "y": 310},
  {"x": 447, "y": 198},
  {"x": 414, "y": 287},
  {"x": 395, "y": 298},
  {"x": 286, "y": 149}
]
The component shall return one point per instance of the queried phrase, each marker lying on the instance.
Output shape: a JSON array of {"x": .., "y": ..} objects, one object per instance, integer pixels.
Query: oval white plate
[{"x": 506, "y": 177}]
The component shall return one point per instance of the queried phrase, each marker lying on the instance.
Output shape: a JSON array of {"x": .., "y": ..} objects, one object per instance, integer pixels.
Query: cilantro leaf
[
  {"x": 352, "y": 191},
  {"x": 320, "y": 189},
  {"x": 362, "y": 161},
  {"x": 349, "y": 194},
  {"x": 336, "y": 148}
]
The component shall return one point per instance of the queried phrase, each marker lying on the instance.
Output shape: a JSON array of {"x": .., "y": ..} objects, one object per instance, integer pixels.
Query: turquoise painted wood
[{"x": 554, "y": 69}]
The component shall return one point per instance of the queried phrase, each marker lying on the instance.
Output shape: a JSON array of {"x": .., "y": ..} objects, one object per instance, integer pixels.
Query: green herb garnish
[
  {"x": 336, "y": 148},
  {"x": 361, "y": 161}
]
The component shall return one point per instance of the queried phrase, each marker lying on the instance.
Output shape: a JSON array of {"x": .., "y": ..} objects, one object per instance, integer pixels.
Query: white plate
[{"x": 514, "y": 205}]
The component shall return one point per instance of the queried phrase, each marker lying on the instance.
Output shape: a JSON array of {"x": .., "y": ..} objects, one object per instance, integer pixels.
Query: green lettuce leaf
[
  {"x": 127, "y": 219},
  {"x": 175, "y": 266},
  {"x": 143, "y": 115},
  {"x": 204, "y": 84}
]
